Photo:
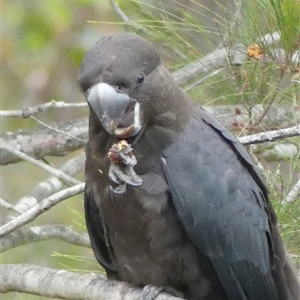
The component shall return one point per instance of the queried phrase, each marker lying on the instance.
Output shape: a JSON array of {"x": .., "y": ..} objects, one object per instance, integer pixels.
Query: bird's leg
[{"x": 116, "y": 175}]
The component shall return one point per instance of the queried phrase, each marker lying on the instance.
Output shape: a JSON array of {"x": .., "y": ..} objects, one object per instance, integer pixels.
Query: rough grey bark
[
  {"x": 52, "y": 283},
  {"x": 40, "y": 142}
]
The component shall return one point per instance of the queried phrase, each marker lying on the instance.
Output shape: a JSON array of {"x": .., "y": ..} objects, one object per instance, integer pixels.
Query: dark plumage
[{"x": 200, "y": 221}]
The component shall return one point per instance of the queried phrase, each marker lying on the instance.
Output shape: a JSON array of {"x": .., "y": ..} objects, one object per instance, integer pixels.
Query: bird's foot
[
  {"x": 124, "y": 175},
  {"x": 121, "y": 169},
  {"x": 150, "y": 292}
]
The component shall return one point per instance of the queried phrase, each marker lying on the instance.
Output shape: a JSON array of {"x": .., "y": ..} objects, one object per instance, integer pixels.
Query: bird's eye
[{"x": 140, "y": 78}]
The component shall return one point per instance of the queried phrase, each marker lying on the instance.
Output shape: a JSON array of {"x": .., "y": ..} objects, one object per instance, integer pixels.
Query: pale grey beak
[{"x": 119, "y": 114}]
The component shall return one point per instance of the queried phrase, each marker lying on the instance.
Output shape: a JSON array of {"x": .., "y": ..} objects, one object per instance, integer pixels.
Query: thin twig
[
  {"x": 55, "y": 129},
  {"x": 270, "y": 136},
  {"x": 125, "y": 19},
  {"x": 119, "y": 11},
  {"x": 27, "y": 112},
  {"x": 40, "y": 208},
  {"x": 51, "y": 185},
  {"x": 68, "y": 180},
  {"x": 7, "y": 205}
]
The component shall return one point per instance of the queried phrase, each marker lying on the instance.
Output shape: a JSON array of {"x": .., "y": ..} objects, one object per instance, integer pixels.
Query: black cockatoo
[{"x": 172, "y": 199}]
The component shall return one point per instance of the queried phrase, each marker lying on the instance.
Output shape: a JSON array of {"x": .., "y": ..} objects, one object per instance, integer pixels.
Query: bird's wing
[
  {"x": 220, "y": 200},
  {"x": 96, "y": 230}
]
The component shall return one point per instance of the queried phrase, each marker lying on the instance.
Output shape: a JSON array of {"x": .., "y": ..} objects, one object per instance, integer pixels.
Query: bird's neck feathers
[
  {"x": 172, "y": 108},
  {"x": 169, "y": 104}
]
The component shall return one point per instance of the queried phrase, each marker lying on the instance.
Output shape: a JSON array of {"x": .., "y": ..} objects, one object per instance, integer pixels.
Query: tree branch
[
  {"x": 50, "y": 185},
  {"x": 215, "y": 60},
  {"x": 7, "y": 205},
  {"x": 40, "y": 208},
  {"x": 25, "y": 235},
  {"x": 270, "y": 136},
  {"x": 27, "y": 112},
  {"x": 68, "y": 180},
  {"x": 40, "y": 142},
  {"x": 52, "y": 283}
]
